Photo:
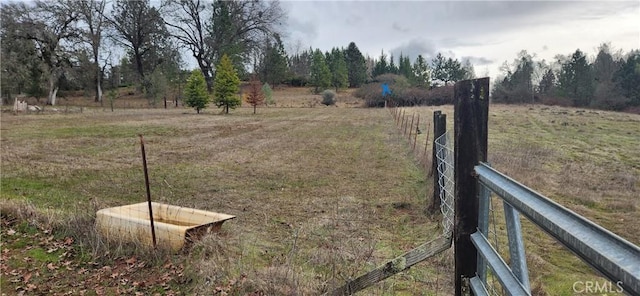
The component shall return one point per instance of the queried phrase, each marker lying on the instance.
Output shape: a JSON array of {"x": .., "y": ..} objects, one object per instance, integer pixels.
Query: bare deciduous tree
[
  {"x": 188, "y": 21},
  {"x": 141, "y": 31},
  {"x": 209, "y": 31},
  {"x": 93, "y": 17},
  {"x": 50, "y": 24}
]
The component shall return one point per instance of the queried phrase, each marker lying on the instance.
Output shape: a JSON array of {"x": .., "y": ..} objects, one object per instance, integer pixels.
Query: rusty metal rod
[{"x": 146, "y": 183}]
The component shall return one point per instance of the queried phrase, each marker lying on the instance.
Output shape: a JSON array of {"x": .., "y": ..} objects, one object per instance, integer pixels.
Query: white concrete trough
[{"x": 174, "y": 226}]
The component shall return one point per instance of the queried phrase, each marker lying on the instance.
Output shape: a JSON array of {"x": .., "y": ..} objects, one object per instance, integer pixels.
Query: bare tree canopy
[
  {"x": 209, "y": 31},
  {"x": 49, "y": 24},
  {"x": 93, "y": 17},
  {"x": 188, "y": 21},
  {"x": 141, "y": 31}
]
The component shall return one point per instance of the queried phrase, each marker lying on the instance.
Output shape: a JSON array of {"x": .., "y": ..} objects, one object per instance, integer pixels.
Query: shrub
[
  {"x": 399, "y": 82},
  {"x": 298, "y": 81},
  {"x": 371, "y": 93},
  {"x": 328, "y": 97},
  {"x": 268, "y": 94}
]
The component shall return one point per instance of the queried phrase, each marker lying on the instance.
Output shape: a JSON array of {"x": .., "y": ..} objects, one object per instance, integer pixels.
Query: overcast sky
[{"x": 486, "y": 32}]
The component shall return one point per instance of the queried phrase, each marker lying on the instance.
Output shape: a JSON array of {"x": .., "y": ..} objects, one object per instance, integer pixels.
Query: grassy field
[
  {"x": 586, "y": 160},
  {"x": 321, "y": 194}
]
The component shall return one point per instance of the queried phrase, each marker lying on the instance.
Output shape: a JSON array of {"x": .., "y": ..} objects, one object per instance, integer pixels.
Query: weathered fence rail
[{"x": 399, "y": 264}]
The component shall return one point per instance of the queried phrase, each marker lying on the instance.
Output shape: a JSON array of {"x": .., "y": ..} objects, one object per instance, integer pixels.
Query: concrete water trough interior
[{"x": 174, "y": 226}]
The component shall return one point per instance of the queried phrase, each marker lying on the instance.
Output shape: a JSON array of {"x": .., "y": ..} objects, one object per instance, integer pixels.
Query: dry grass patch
[
  {"x": 586, "y": 160},
  {"x": 313, "y": 189},
  {"x": 320, "y": 194}
]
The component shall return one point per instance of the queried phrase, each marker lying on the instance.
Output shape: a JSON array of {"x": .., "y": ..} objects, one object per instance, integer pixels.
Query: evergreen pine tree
[
  {"x": 381, "y": 66},
  {"x": 404, "y": 68},
  {"x": 439, "y": 65},
  {"x": 320, "y": 73},
  {"x": 274, "y": 68},
  {"x": 226, "y": 85},
  {"x": 421, "y": 73},
  {"x": 338, "y": 68},
  {"x": 393, "y": 69},
  {"x": 356, "y": 67},
  {"x": 195, "y": 92},
  {"x": 628, "y": 77},
  {"x": 575, "y": 80}
]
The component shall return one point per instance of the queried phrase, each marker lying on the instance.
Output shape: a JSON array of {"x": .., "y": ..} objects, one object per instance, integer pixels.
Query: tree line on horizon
[
  {"x": 68, "y": 45},
  {"x": 611, "y": 81}
]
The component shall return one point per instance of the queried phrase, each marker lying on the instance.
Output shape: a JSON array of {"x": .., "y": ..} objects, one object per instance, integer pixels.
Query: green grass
[
  {"x": 288, "y": 174},
  {"x": 40, "y": 193},
  {"x": 42, "y": 256}
]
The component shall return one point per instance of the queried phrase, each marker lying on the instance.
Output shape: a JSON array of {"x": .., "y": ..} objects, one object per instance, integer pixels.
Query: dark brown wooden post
[
  {"x": 439, "y": 128},
  {"x": 415, "y": 138},
  {"x": 393, "y": 112},
  {"x": 410, "y": 126},
  {"x": 436, "y": 114},
  {"x": 471, "y": 100},
  {"x": 405, "y": 118},
  {"x": 426, "y": 144}
]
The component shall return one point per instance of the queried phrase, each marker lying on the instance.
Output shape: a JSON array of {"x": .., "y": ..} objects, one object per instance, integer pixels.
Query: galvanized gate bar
[
  {"x": 613, "y": 256},
  {"x": 508, "y": 280},
  {"x": 477, "y": 286},
  {"x": 483, "y": 226},
  {"x": 517, "y": 258}
]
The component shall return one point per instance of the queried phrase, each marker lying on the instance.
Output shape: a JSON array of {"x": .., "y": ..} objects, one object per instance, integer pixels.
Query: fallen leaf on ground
[{"x": 26, "y": 277}]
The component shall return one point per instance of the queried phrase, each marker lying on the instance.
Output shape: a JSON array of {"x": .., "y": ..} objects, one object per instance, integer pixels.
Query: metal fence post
[{"x": 439, "y": 128}]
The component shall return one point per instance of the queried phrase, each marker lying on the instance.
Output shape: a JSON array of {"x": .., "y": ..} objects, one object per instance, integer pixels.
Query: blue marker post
[{"x": 385, "y": 91}]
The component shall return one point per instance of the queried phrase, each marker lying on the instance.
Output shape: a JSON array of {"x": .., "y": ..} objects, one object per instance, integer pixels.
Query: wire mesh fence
[
  {"x": 445, "y": 168},
  {"x": 496, "y": 235}
]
